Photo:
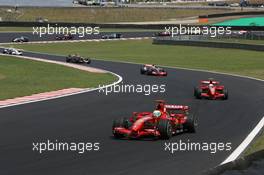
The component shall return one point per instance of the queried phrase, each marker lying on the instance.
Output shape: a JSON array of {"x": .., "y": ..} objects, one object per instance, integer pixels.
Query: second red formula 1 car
[
  {"x": 163, "y": 123},
  {"x": 210, "y": 89},
  {"x": 151, "y": 69}
]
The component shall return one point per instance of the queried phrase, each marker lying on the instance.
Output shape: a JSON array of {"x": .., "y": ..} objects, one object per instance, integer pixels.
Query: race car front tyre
[
  {"x": 225, "y": 91},
  {"x": 195, "y": 91},
  {"x": 88, "y": 61},
  {"x": 165, "y": 129},
  {"x": 198, "y": 93},
  {"x": 142, "y": 71},
  {"x": 190, "y": 124},
  {"x": 127, "y": 123},
  {"x": 118, "y": 123},
  {"x": 68, "y": 60}
]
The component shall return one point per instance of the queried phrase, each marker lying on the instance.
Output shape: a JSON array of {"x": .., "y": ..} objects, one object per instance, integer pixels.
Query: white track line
[{"x": 234, "y": 155}]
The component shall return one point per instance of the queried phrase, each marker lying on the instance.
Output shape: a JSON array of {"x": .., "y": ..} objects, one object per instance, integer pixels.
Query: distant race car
[
  {"x": 21, "y": 39},
  {"x": 64, "y": 37},
  {"x": 12, "y": 51},
  {"x": 163, "y": 123},
  {"x": 151, "y": 69},
  {"x": 210, "y": 89},
  {"x": 112, "y": 36},
  {"x": 77, "y": 59},
  {"x": 163, "y": 33}
]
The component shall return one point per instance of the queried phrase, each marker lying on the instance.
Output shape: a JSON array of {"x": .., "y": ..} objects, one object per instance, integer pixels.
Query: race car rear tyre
[
  {"x": 165, "y": 129},
  {"x": 225, "y": 91},
  {"x": 88, "y": 61},
  {"x": 190, "y": 124}
]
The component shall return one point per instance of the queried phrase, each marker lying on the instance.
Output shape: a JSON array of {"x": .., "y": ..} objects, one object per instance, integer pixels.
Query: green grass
[
  {"x": 19, "y": 77},
  {"x": 236, "y": 61},
  {"x": 257, "y": 145},
  {"x": 243, "y": 41},
  {"x": 16, "y": 29},
  {"x": 102, "y": 15}
]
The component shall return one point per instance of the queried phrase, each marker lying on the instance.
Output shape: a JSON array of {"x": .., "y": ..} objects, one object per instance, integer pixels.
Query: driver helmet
[{"x": 156, "y": 113}]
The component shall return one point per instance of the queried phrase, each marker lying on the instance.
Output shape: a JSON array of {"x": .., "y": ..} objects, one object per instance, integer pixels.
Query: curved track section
[
  {"x": 7, "y": 37},
  {"x": 88, "y": 118}
]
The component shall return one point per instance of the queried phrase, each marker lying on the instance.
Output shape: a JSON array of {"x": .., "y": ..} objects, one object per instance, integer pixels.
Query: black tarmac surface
[{"x": 88, "y": 118}]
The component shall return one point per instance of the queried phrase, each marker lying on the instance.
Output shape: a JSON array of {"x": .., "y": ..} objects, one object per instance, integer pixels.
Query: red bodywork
[
  {"x": 144, "y": 124},
  {"x": 211, "y": 89}
]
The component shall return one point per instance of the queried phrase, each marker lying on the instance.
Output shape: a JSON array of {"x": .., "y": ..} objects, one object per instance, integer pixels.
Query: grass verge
[
  {"x": 19, "y": 77},
  {"x": 102, "y": 15},
  {"x": 257, "y": 145}
]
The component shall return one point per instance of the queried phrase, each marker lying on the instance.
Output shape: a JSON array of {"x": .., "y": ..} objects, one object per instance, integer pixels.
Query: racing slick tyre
[
  {"x": 127, "y": 123},
  {"x": 68, "y": 60},
  {"x": 198, "y": 93},
  {"x": 118, "y": 123},
  {"x": 225, "y": 91},
  {"x": 165, "y": 129},
  {"x": 142, "y": 71},
  {"x": 195, "y": 89},
  {"x": 190, "y": 124},
  {"x": 88, "y": 61}
]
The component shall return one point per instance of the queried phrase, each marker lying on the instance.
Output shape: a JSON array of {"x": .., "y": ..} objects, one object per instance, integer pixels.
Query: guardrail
[{"x": 218, "y": 15}]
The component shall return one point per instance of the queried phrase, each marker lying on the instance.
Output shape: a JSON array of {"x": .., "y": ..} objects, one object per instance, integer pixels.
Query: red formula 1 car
[
  {"x": 210, "y": 89},
  {"x": 163, "y": 123},
  {"x": 151, "y": 69}
]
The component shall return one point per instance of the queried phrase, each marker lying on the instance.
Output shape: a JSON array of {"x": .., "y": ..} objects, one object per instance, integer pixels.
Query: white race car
[{"x": 12, "y": 51}]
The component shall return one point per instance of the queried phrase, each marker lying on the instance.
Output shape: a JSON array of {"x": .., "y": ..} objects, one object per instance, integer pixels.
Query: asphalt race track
[
  {"x": 88, "y": 118},
  {"x": 7, "y": 37}
]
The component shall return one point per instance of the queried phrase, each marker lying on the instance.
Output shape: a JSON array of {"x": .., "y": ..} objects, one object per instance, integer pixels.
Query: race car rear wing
[
  {"x": 207, "y": 82},
  {"x": 176, "y": 107}
]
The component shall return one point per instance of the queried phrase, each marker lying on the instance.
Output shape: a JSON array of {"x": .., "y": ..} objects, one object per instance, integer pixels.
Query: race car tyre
[
  {"x": 68, "y": 60},
  {"x": 195, "y": 89},
  {"x": 142, "y": 71},
  {"x": 88, "y": 61},
  {"x": 198, "y": 93},
  {"x": 225, "y": 91},
  {"x": 127, "y": 123},
  {"x": 118, "y": 123},
  {"x": 165, "y": 129},
  {"x": 190, "y": 124}
]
